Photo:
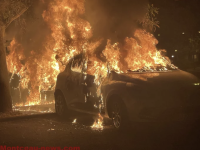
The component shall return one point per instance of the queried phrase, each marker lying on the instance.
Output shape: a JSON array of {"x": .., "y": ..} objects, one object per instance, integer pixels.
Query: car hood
[
  {"x": 163, "y": 89},
  {"x": 166, "y": 79}
]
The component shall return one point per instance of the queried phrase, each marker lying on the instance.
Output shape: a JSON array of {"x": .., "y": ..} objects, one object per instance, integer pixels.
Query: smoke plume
[
  {"x": 115, "y": 19},
  {"x": 30, "y": 30}
]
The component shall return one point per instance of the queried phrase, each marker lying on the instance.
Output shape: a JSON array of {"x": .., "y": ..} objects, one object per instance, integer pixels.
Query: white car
[{"x": 133, "y": 96}]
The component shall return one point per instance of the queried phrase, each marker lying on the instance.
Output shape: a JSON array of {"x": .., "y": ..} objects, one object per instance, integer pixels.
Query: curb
[{"x": 26, "y": 117}]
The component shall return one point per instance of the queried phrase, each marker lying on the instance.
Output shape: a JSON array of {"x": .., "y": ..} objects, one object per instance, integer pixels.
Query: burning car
[{"x": 141, "y": 96}]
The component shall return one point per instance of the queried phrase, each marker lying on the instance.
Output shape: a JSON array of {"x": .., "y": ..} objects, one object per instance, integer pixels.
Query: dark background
[{"x": 177, "y": 17}]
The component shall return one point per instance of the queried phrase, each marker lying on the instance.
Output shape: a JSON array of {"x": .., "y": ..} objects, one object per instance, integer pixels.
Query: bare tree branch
[{"x": 15, "y": 17}]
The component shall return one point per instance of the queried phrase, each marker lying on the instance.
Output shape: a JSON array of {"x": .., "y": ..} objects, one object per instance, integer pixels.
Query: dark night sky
[{"x": 176, "y": 17}]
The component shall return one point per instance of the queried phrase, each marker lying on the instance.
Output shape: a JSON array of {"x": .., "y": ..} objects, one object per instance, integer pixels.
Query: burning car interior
[{"x": 118, "y": 69}]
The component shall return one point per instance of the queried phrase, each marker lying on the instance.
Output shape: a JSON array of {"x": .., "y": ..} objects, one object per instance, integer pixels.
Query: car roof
[{"x": 78, "y": 56}]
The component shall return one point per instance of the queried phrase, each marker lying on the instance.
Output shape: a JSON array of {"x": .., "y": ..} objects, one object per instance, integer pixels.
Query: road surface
[{"x": 50, "y": 131}]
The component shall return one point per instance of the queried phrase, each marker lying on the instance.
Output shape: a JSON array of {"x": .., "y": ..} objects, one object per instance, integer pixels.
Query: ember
[{"x": 74, "y": 121}]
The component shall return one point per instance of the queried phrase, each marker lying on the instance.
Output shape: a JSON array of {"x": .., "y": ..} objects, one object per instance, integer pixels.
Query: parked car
[{"x": 129, "y": 97}]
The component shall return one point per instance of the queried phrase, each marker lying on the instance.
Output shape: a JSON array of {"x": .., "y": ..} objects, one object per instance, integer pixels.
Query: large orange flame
[{"x": 71, "y": 35}]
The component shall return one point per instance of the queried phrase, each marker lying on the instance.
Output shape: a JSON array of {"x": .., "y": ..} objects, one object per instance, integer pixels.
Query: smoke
[
  {"x": 115, "y": 19},
  {"x": 38, "y": 36},
  {"x": 30, "y": 30},
  {"x": 110, "y": 19}
]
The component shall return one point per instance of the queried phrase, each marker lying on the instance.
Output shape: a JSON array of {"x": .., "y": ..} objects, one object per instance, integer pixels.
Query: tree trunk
[{"x": 5, "y": 96}]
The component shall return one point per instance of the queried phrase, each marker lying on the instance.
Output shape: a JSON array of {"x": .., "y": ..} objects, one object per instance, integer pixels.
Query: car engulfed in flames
[
  {"x": 129, "y": 80},
  {"x": 160, "y": 95}
]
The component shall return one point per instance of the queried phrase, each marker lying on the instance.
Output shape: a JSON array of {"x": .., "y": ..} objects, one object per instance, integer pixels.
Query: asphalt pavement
[{"x": 51, "y": 131}]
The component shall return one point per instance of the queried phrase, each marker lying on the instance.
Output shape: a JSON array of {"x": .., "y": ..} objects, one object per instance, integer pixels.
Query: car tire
[
  {"x": 60, "y": 106},
  {"x": 119, "y": 115}
]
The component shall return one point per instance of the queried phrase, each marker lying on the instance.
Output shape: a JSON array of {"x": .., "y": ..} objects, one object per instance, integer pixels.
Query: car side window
[{"x": 77, "y": 65}]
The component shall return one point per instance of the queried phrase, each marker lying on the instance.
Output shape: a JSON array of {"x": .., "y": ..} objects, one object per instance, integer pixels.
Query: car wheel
[
  {"x": 60, "y": 105},
  {"x": 119, "y": 114}
]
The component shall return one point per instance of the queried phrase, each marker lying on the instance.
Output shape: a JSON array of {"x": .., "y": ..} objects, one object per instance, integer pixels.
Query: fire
[
  {"x": 74, "y": 121},
  {"x": 98, "y": 123},
  {"x": 112, "y": 53},
  {"x": 143, "y": 53},
  {"x": 72, "y": 35},
  {"x": 33, "y": 103},
  {"x": 37, "y": 73}
]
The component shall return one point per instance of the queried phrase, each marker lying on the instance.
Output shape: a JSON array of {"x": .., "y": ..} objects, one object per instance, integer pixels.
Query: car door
[
  {"x": 89, "y": 89},
  {"x": 74, "y": 81}
]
